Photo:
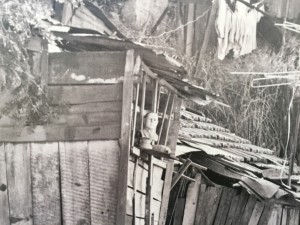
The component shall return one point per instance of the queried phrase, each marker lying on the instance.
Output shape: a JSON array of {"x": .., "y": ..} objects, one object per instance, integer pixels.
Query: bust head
[{"x": 151, "y": 121}]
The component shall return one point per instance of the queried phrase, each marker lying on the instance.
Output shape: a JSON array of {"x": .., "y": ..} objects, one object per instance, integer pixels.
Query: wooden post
[
  {"x": 135, "y": 112},
  {"x": 125, "y": 137},
  {"x": 170, "y": 166},
  {"x": 206, "y": 39},
  {"x": 293, "y": 144},
  {"x": 190, "y": 31},
  {"x": 143, "y": 100}
]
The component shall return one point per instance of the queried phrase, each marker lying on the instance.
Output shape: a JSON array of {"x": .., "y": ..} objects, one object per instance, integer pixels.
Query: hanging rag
[{"x": 236, "y": 28}]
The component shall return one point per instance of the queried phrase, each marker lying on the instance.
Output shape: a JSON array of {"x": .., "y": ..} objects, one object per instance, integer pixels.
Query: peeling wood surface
[
  {"x": 19, "y": 183},
  {"x": 4, "y": 209},
  {"x": 75, "y": 182},
  {"x": 85, "y": 67},
  {"x": 45, "y": 183},
  {"x": 103, "y": 168}
]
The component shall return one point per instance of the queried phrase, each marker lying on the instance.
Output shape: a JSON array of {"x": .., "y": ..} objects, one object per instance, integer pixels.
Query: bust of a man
[{"x": 148, "y": 133}]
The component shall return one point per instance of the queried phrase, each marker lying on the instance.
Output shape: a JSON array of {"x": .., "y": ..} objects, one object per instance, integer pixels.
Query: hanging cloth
[{"x": 236, "y": 29}]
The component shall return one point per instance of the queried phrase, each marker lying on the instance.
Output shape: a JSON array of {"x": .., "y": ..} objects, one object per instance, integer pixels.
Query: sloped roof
[{"x": 224, "y": 153}]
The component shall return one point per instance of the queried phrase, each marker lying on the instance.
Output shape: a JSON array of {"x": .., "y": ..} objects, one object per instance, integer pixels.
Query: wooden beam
[
  {"x": 190, "y": 31},
  {"x": 170, "y": 166},
  {"x": 206, "y": 39},
  {"x": 125, "y": 138}
]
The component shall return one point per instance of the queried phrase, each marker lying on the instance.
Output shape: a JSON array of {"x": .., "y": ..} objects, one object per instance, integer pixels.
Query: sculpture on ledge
[{"x": 147, "y": 137}]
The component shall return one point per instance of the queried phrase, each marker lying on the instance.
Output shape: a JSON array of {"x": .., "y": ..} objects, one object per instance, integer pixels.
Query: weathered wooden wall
[
  {"x": 208, "y": 205},
  {"x": 59, "y": 183}
]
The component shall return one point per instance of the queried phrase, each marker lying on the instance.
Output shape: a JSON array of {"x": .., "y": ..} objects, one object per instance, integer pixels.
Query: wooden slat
[
  {"x": 125, "y": 137},
  {"x": 257, "y": 211},
  {"x": 59, "y": 133},
  {"x": 200, "y": 204},
  {"x": 191, "y": 201},
  {"x": 140, "y": 204},
  {"x": 4, "y": 209},
  {"x": 138, "y": 221},
  {"x": 296, "y": 216},
  {"x": 75, "y": 182},
  {"x": 65, "y": 67},
  {"x": 213, "y": 203},
  {"x": 248, "y": 210},
  {"x": 240, "y": 207},
  {"x": 274, "y": 217},
  {"x": 141, "y": 177},
  {"x": 179, "y": 211},
  {"x": 45, "y": 184},
  {"x": 224, "y": 206},
  {"x": 175, "y": 126},
  {"x": 115, "y": 106},
  {"x": 291, "y": 216},
  {"x": 279, "y": 214},
  {"x": 265, "y": 216},
  {"x": 19, "y": 183},
  {"x": 103, "y": 167},
  {"x": 233, "y": 209},
  {"x": 88, "y": 119},
  {"x": 79, "y": 94}
]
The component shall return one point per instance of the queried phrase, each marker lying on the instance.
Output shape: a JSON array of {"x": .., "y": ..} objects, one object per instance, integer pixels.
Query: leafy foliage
[{"x": 21, "y": 93}]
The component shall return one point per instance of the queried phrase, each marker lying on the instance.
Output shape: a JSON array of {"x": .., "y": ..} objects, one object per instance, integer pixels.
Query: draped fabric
[{"x": 236, "y": 29}]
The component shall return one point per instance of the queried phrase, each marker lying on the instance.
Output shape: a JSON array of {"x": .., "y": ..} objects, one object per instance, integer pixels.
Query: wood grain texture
[
  {"x": 75, "y": 185},
  {"x": 191, "y": 201},
  {"x": 274, "y": 217},
  {"x": 88, "y": 119},
  {"x": 103, "y": 166},
  {"x": 45, "y": 183},
  {"x": 138, "y": 221},
  {"x": 125, "y": 137},
  {"x": 257, "y": 211},
  {"x": 141, "y": 177},
  {"x": 65, "y": 66},
  {"x": 248, "y": 210},
  {"x": 59, "y": 133},
  {"x": 200, "y": 204},
  {"x": 19, "y": 183},
  {"x": 265, "y": 216},
  {"x": 4, "y": 209},
  {"x": 79, "y": 94},
  {"x": 233, "y": 209},
  {"x": 140, "y": 204},
  {"x": 243, "y": 198}
]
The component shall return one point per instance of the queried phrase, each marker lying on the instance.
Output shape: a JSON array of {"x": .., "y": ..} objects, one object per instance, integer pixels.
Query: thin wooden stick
[
  {"x": 154, "y": 96},
  {"x": 169, "y": 121},
  {"x": 164, "y": 117},
  {"x": 135, "y": 112},
  {"x": 158, "y": 99},
  {"x": 142, "y": 109}
]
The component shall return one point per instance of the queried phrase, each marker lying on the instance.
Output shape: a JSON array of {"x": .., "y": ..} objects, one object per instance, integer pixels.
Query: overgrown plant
[{"x": 258, "y": 114}]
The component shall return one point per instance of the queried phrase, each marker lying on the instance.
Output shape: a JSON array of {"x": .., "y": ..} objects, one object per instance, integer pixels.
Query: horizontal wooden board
[
  {"x": 138, "y": 221},
  {"x": 85, "y": 119},
  {"x": 78, "y": 94},
  {"x": 59, "y": 133},
  {"x": 85, "y": 67},
  {"x": 115, "y": 106}
]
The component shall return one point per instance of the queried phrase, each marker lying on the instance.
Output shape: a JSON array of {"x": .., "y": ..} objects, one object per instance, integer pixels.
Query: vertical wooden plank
[
  {"x": 125, "y": 138},
  {"x": 248, "y": 210},
  {"x": 4, "y": 208},
  {"x": 265, "y": 216},
  {"x": 191, "y": 201},
  {"x": 213, "y": 211},
  {"x": 190, "y": 31},
  {"x": 175, "y": 126},
  {"x": 224, "y": 206},
  {"x": 103, "y": 167},
  {"x": 19, "y": 183},
  {"x": 75, "y": 186},
  {"x": 257, "y": 211},
  {"x": 233, "y": 208},
  {"x": 296, "y": 216},
  {"x": 200, "y": 204},
  {"x": 279, "y": 214},
  {"x": 284, "y": 216},
  {"x": 274, "y": 217},
  {"x": 240, "y": 207},
  {"x": 45, "y": 183},
  {"x": 179, "y": 209}
]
